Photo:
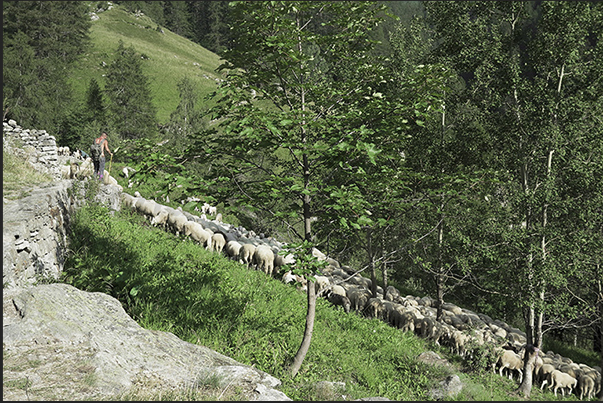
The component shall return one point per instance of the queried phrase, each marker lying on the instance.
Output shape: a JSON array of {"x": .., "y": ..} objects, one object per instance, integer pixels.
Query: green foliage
[
  {"x": 41, "y": 43},
  {"x": 172, "y": 284},
  {"x": 131, "y": 108}
]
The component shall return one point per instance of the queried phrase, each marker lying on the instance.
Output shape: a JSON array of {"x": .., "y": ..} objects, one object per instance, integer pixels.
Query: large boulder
[{"x": 61, "y": 343}]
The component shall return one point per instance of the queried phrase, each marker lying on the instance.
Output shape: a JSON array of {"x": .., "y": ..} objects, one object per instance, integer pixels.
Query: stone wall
[{"x": 35, "y": 227}]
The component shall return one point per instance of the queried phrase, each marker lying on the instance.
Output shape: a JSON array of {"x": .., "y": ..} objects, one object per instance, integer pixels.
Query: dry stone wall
[{"x": 35, "y": 226}]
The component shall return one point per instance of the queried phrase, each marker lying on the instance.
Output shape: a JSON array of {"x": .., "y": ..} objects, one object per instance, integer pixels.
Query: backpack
[{"x": 96, "y": 150}]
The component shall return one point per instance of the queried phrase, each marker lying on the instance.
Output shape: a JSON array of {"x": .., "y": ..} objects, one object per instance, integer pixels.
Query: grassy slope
[{"x": 171, "y": 57}]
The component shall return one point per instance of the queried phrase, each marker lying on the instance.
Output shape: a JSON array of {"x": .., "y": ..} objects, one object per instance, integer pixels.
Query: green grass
[
  {"x": 170, "y": 58},
  {"x": 172, "y": 284},
  {"x": 19, "y": 177}
]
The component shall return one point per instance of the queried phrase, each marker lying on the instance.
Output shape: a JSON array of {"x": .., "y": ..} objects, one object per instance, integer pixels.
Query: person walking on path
[{"x": 99, "y": 165}]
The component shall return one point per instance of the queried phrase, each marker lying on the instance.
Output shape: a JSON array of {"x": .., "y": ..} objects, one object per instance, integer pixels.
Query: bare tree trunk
[
  {"x": 529, "y": 360},
  {"x": 305, "y": 345},
  {"x": 440, "y": 274},
  {"x": 371, "y": 257}
]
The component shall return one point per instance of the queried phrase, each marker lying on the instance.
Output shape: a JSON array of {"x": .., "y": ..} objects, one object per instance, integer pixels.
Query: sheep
[
  {"x": 587, "y": 385},
  {"x": 374, "y": 308},
  {"x": 198, "y": 233},
  {"x": 560, "y": 380},
  {"x": 86, "y": 169},
  {"x": 232, "y": 249},
  {"x": 263, "y": 259},
  {"x": 246, "y": 253},
  {"x": 402, "y": 319},
  {"x": 358, "y": 297},
  {"x": 512, "y": 362},
  {"x": 392, "y": 294},
  {"x": 289, "y": 277},
  {"x": 218, "y": 241},
  {"x": 65, "y": 171},
  {"x": 337, "y": 296},
  {"x": 544, "y": 373},
  {"x": 322, "y": 284},
  {"x": 160, "y": 219},
  {"x": 176, "y": 220},
  {"x": 388, "y": 307},
  {"x": 280, "y": 260},
  {"x": 441, "y": 331}
]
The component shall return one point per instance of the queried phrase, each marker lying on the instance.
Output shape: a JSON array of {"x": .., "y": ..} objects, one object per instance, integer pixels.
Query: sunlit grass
[
  {"x": 19, "y": 176},
  {"x": 170, "y": 283}
]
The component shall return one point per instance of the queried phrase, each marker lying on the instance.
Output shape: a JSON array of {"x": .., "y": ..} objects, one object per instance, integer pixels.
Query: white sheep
[
  {"x": 280, "y": 260},
  {"x": 160, "y": 219},
  {"x": 246, "y": 253},
  {"x": 263, "y": 259},
  {"x": 322, "y": 284},
  {"x": 560, "y": 380},
  {"x": 358, "y": 297},
  {"x": 232, "y": 249},
  {"x": 86, "y": 169},
  {"x": 587, "y": 385},
  {"x": 218, "y": 241},
  {"x": 512, "y": 362},
  {"x": 197, "y": 232},
  {"x": 176, "y": 220}
]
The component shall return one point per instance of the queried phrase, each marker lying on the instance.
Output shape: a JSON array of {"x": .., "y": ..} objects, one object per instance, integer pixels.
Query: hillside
[{"x": 167, "y": 58}]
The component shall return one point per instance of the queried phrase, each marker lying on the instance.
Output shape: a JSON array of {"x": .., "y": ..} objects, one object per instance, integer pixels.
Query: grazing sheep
[
  {"x": 358, "y": 297},
  {"x": 392, "y": 294},
  {"x": 289, "y": 277},
  {"x": 176, "y": 220},
  {"x": 263, "y": 259},
  {"x": 246, "y": 254},
  {"x": 232, "y": 249},
  {"x": 280, "y": 260},
  {"x": 586, "y": 385},
  {"x": 374, "y": 308},
  {"x": 86, "y": 169},
  {"x": 160, "y": 219},
  {"x": 218, "y": 241},
  {"x": 322, "y": 284},
  {"x": 512, "y": 362},
  {"x": 337, "y": 296},
  {"x": 198, "y": 233},
  {"x": 560, "y": 380},
  {"x": 544, "y": 374},
  {"x": 388, "y": 308},
  {"x": 402, "y": 319}
]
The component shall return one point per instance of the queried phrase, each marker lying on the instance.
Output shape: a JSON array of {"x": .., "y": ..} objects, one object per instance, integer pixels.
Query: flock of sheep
[{"x": 460, "y": 330}]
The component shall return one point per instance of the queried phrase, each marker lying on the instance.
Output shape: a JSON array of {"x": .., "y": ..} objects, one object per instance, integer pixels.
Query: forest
[{"x": 454, "y": 148}]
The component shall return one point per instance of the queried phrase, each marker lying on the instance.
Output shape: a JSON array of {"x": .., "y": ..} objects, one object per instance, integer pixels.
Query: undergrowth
[{"x": 170, "y": 283}]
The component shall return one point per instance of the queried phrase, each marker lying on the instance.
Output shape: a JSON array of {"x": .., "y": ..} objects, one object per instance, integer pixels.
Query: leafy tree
[
  {"x": 530, "y": 69},
  {"x": 302, "y": 105},
  {"x": 187, "y": 118},
  {"x": 130, "y": 108}
]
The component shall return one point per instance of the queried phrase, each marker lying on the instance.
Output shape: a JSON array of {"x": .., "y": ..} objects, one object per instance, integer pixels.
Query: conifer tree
[{"x": 131, "y": 111}]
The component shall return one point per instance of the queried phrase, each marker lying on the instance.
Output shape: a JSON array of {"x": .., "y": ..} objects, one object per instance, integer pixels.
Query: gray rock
[
  {"x": 448, "y": 388},
  {"x": 69, "y": 344}
]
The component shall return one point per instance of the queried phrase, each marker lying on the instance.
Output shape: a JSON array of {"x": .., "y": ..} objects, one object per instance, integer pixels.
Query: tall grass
[
  {"x": 19, "y": 176},
  {"x": 170, "y": 283}
]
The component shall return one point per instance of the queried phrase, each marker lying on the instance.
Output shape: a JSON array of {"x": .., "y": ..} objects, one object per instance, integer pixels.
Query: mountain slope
[{"x": 167, "y": 58}]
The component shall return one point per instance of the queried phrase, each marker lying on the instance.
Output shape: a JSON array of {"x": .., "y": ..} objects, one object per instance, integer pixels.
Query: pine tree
[{"x": 131, "y": 110}]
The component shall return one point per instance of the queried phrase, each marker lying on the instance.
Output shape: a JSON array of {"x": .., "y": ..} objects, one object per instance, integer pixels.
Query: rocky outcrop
[{"x": 61, "y": 343}]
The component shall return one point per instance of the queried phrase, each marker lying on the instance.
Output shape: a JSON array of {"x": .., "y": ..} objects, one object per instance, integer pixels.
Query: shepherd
[{"x": 97, "y": 151}]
